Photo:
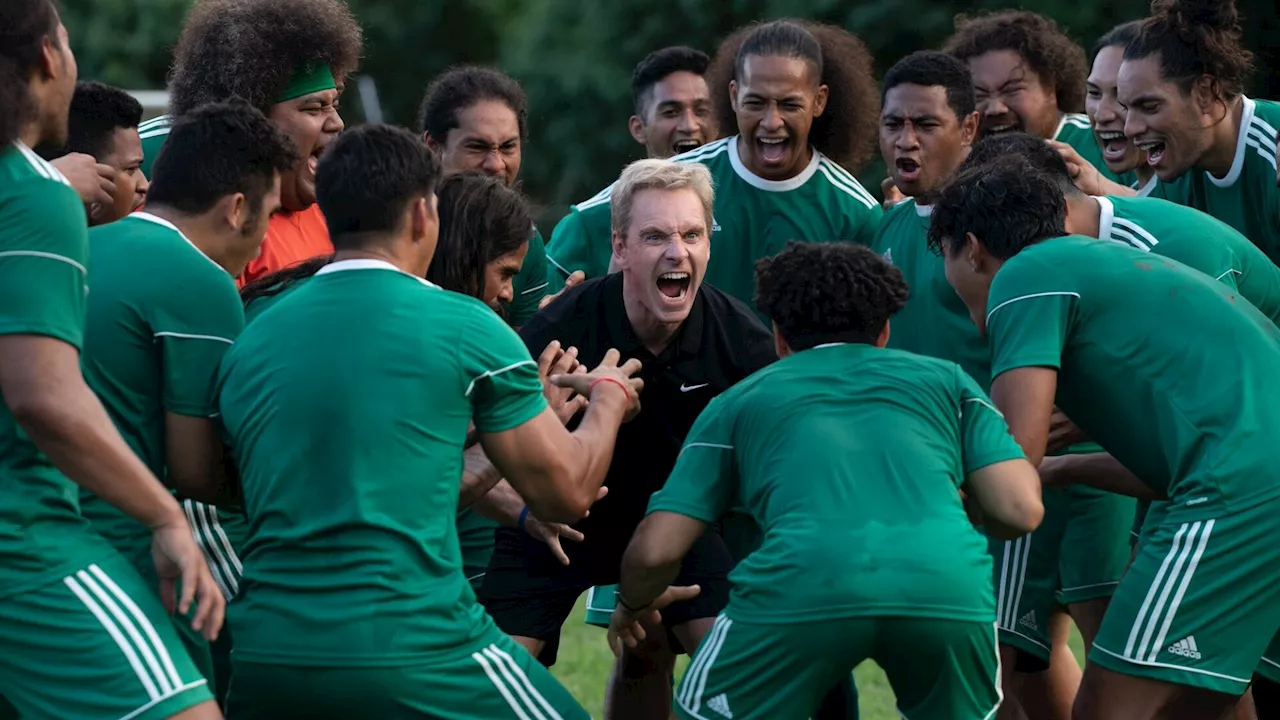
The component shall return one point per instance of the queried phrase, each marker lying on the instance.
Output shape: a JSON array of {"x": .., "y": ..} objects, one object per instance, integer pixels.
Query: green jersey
[
  {"x": 1151, "y": 394},
  {"x": 882, "y": 439},
  {"x": 153, "y": 134},
  {"x": 351, "y": 490},
  {"x": 935, "y": 321},
  {"x": 1247, "y": 198},
  {"x": 1197, "y": 241},
  {"x": 44, "y": 254},
  {"x": 160, "y": 318},
  {"x": 530, "y": 285},
  {"x": 754, "y": 218},
  {"x": 1075, "y": 130}
]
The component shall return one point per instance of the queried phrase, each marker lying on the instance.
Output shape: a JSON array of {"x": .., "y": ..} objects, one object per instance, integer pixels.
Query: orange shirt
[{"x": 292, "y": 237}]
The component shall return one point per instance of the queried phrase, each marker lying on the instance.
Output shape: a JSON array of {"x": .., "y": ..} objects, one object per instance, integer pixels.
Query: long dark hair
[
  {"x": 26, "y": 24},
  {"x": 481, "y": 219}
]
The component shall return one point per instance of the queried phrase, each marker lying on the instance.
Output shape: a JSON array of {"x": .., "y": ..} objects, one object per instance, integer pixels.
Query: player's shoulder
[
  {"x": 1260, "y": 138},
  {"x": 29, "y": 181},
  {"x": 1075, "y": 123},
  {"x": 850, "y": 192},
  {"x": 567, "y": 317},
  {"x": 714, "y": 155},
  {"x": 596, "y": 203},
  {"x": 737, "y": 327}
]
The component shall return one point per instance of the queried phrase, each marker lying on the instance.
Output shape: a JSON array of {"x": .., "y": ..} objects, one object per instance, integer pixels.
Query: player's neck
[
  {"x": 199, "y": 230},
  {"x": 1084, "y": 216},
  {"x": 30, "y": 135},
  {"x": 1221, "y": 155},
  {"x": 386, "y": 252},
  {"x": 654, "y": 334}
]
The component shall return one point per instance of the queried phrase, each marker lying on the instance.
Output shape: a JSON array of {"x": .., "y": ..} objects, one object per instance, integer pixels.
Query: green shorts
[
  {"x": 96, "y": 644},
  {"x": 475, "y": 539},
  {"x": 1095, "y": 544},
  {"x": 939, "y": 669},
  {"x": 600, "y": 604},
  {"x": 1200, "y": 605},
  {"x": 495, "y": 679}
]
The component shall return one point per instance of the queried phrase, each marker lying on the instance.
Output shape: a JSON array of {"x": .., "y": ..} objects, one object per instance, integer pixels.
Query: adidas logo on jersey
[
  {"x": 888, "y": 256},
  {"x": 720, "y": 704},
  {"x": 1029, "y": 620},
  {"x": 1186, "y": 647},
  {"x": 715, "y": 224}
]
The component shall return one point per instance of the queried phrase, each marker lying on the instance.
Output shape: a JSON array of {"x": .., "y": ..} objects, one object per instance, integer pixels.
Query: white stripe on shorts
[
  {"x": 695, "y": 677},
  {"x": 521, "y": 696},
  {"x": 1188, "y": 545},
  {"x": 144, "y": 677},
  {"x": 504, "y": 659}
]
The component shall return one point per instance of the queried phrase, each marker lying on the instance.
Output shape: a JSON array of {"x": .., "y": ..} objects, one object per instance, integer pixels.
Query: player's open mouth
[
  {"x": 313, "y": 160},
  {"x": 995, "y": 129},
  {"x": 773, "y": 151},
  {"x": 908, "y": 170},
  {"x": 1113, "y": 143},
  {"x": 684, "y": 146},
  {"x": 674, "y": 285},
  {"x": 1155, "y": 151}
]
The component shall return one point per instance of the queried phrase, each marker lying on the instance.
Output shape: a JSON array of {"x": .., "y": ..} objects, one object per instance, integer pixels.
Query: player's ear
[
  {"x": 972, "y": 251},
  {"x": 431, "y": 142},
  {"x": 780, "y": 346},
  {"x": 234, "y": 210},
  {"x": 969, "y": 128},
  {"x": 820, "y": 101},
  {"x": 636, "y": 126},
  {"x": 619, "y": 251},
  {"x": 883, "y": 339},
  {"x": 733, "y": 95}
]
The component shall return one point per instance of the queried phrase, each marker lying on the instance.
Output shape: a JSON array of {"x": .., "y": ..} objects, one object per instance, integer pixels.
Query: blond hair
[{"x": 653, "y": 174}]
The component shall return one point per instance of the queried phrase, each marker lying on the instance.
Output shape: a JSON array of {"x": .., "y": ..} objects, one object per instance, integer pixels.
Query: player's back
[
  {"x": 1246, "y": 198},
  {"x": 1197, "y": 240},
  {"x": 348, "y": 404},
  {"x": 753, "y": 218},
  {"x": 849, "y": 458},
  {"x": 1160, "y": 364},
  {"x": 935, "y": 321}
]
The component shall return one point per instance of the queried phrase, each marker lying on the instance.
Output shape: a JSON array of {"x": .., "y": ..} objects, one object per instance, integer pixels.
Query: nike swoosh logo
[{"x": 689, "y": 388}]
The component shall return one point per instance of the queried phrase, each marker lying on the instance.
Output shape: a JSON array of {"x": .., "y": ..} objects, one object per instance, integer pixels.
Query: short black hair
[
  {"x": 657, "y": 66},
  {"x": 367, "y": 177},
  {"x": 1036, "y": 151},
  {"x": 1055, "y": 58},
  {"x": 481, "y": 219},
  {"x": 847, "y": 132},
  {"x": 930, "y": 68},
  {"x": 1007, "y": 204},
  {"x": 1120, "y": 35},
  {"x": 217, "y": 150},
  {"x": 1195, "y": 38},
  {"x": 252, "y": 48},
  {"x": 458, "y": 88},
  {"x": 26, "y": 24},
  {"x": 828, "y": 292},
  {"x": 97, "y": 110}
]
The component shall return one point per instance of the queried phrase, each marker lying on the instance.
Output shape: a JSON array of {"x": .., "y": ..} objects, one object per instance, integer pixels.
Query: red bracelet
[{"x": 591, "y": 388}]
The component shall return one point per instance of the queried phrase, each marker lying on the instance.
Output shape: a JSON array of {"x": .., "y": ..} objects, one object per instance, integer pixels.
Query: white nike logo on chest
[{"x": 689, "y": 388}]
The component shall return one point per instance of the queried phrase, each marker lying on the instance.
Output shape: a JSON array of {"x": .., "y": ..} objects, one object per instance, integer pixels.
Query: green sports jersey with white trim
[
  {"x": 153, "y": 134},
  {"x": 351, "y": 491},
  {"x": 1075, "y": 130},
  {"x": 935, "y": 321},
  {"x": 1196, "y": 240},
  {"x": 1247, "y": 198},
  {"x": 754, "y": 218},
  {"x": 44, "y": 257},
  {"x": 1157, "y": 402},
  {"x": 160, "y": 318},
  {"x": 883, "y": 440},
  {"x": 530, "y": 285}
]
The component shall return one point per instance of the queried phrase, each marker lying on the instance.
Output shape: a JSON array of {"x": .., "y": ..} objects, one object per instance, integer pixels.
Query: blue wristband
[{"x": 524, "y": 515}]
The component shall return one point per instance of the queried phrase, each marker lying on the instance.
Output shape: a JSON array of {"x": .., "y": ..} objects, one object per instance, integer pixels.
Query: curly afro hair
[
  {"x": 1055, "y": 58},
  {"x": 1194, "y": 38},
  {"x": 1007, "y": 204},
  {"x": 848, "y": 131},
  {"x": 829, "y": 292},
  {"x": 251, "y": 49}
]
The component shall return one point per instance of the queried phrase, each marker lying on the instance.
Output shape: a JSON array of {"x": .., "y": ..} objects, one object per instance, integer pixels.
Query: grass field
[{"x": 584, "y": 663}]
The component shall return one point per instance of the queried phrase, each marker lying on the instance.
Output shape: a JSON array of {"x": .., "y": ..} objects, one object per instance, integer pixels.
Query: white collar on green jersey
[
  {"x": 1150, "y": 185},
  {"x": 1237, "y": 164},
  {"x": 368, "y": 264},
  {"x": 42, "y": 167},
  {"x": 141, "y": 215},
  {"x": 834, "y": 344},
  {"x": 1106, "y": 216},
  {"x": 771, "y": 185},
  {"x": 923, "y": 210}
]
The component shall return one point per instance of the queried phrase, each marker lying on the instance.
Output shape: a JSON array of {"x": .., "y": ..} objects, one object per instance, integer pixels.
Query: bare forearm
[
  {"x": 644, "y": 577},
  {"x": 74, "y": 431},
  {"x": 1114, "y": 188},
  {"x": 595, "y": 439},
  {"x": 1097, "y": 470},
  {"x": 479, "y": 477},
  {"x": 502, "y": 504}
]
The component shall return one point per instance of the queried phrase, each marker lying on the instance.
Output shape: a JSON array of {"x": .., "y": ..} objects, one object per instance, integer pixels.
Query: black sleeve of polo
[
  {"x": 754, "y": 348},
  {"x": 560, "y": 320}
]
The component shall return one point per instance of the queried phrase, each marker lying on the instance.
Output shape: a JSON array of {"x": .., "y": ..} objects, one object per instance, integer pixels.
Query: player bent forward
[{"x": 849, "y": 456}]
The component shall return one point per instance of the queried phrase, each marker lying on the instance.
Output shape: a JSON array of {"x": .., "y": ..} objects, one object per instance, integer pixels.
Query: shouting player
[
  {"x": 671, "y": 102},
  {"x": 804, "y": 103},
  {"x": 84, "y": 635},
  {"x": 1106, "y": 115},
  {"x": 1068, "y": 320},
  {"x": 883, "y": 439},
  {"x": 103, "y": 124},
  {"x": 1212, "y": 147},
  {"x": 289, "y": 59}
]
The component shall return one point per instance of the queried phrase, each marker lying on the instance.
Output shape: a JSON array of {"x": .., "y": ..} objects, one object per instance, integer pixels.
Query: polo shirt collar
[{"x": 623, "y": 337}]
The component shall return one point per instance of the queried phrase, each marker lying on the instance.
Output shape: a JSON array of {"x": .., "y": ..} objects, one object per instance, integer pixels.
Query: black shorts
[{"x": 528, "y": 593}]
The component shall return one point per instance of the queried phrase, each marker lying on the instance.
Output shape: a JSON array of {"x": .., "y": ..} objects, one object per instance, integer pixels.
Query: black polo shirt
[{"x": 721, "y": 342}]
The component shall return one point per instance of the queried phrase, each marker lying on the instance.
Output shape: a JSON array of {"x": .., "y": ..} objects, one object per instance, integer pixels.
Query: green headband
[{"x": 307, "y": 80}]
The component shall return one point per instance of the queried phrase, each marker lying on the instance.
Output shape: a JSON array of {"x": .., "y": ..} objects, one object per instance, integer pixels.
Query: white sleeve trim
[
  {"x": 981, "y": 402},
  {"x": 48, "y": 256},
  {"x": 1028, "y": 297},
  {"x": 188, "y": 336},
  {"x": 499, "y": 371},
  {"x": 714, "y": 446}
]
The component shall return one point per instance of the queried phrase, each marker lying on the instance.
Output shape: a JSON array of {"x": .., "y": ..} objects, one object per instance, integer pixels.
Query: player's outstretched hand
[
  {"x": 626, "y": 627},
  {"x": 574, "y": 278},
  {"x": 178, "y": 559},
  {"x": 551, "y": 533},
  {"x": 892, "y": 195},
  {"x": 1063, "y": 433},
  {"x": 565, "y": 402},
  {"x": 94, "y": 182},
  {"x": 607, "y": 377}
]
